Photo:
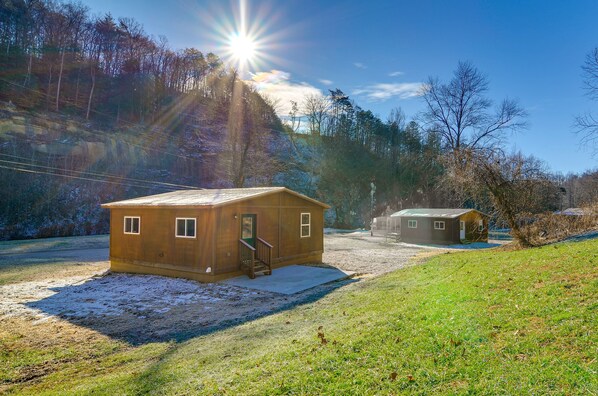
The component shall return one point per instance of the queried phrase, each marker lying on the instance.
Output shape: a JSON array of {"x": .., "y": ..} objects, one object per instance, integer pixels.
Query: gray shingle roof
[
  {"x": 447, "y": 213},
  {"x": 216, "y": 197}
]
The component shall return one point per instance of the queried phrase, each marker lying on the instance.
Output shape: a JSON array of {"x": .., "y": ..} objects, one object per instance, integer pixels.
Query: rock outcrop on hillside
[{"x": 56, "y": 169}]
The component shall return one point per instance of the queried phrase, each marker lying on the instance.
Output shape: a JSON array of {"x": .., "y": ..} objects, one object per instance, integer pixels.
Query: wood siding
[
  {"x": 425, "y": 232},
  {"x": 472, "y": 233},
  {"x": 157, "y": 243},
  {"x": 214, "y": 253}
]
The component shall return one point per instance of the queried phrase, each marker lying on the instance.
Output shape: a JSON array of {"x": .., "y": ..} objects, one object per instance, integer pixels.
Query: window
[
  {"x": 132, "y": 224},
  {"x": 412, "y": 223},
  {"x": 481, "y": 226},
  {"x": 185, "y": 227},
  {"x": 439, "y": 225},
  {"x": 305, "y": 225}
]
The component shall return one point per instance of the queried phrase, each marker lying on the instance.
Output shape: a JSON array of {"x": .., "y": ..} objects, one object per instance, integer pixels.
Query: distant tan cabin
[
  {"x": 442, "y": 226},
  {"x": 208, "y": 235}
]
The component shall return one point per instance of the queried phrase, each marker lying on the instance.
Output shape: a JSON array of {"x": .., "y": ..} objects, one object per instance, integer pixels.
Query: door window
[{"x": 248, "y": 227}]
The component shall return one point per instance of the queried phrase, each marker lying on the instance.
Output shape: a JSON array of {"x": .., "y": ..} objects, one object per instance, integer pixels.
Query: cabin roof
[
  {"x": 426, "y": 212},
  {"x": 205, "y": 198},
  {"x": 573, "y": 212}
]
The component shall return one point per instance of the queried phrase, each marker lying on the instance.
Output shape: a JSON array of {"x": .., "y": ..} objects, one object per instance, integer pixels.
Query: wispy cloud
[
  {"x": 326, "y": 82},
  {"x": 277, "y": 85},
  {"x": 360, "y": 65},
  {"x": 384, "y": 91},
  {"x": 396, "y": 73}
]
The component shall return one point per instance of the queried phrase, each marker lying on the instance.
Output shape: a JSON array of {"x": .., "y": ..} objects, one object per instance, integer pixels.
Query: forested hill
[{"x": 93, "y": 109}]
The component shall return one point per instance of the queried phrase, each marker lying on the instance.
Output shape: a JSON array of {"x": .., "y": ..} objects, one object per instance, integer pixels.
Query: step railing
[
  {"x": 247, "y": 255},
  {"x": 260, "y": 255},
  {"x": 264, "y": 253}
]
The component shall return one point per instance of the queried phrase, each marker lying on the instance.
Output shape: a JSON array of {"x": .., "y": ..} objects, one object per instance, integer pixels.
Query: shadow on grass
[{"x": 141, "y": 309}]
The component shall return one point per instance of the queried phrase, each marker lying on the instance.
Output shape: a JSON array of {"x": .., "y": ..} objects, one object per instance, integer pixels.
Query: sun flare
[
  {"x": 244, "y": 38},
  {"x": 242, "y": 48}
]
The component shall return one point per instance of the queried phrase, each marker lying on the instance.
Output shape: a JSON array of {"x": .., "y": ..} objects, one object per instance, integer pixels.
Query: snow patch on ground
[
  {"x": 146, "y": 308},
  {"x": 110, "y": 295}
]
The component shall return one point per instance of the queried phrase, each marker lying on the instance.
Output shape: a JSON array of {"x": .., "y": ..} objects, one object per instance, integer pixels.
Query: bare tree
[
  {"x": 316, "y": 108},
  {"x": 472, "y": 134},
  {"x": 517, "y": 185},
  {"x": 461, "y": 112},
  {"x": 587, "y": 124}
]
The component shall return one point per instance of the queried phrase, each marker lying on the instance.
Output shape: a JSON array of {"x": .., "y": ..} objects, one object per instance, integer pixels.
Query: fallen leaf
[{"x": 410, "y": 378}]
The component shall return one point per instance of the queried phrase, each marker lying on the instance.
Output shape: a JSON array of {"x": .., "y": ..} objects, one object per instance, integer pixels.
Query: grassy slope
[
  {"x": 13, "y": 270},
  {"x": 489, "y": 322},
  {"x": 54, "y": 244}
]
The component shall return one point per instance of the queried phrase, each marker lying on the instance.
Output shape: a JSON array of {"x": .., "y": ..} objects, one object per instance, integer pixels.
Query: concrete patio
[{"x": 291, "y": 279}]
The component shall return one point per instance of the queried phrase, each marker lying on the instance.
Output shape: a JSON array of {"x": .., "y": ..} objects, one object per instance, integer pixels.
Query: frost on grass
[{"x": 111, "y": 295}]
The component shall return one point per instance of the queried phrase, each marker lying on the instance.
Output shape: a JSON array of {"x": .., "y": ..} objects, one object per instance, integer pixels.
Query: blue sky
[{"x": 379, "y": 51}]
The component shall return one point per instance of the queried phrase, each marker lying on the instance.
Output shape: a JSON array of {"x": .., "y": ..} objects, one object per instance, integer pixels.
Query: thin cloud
[
  {"x": 277, "y": 85},
  {"x": 396, "y": 73},
  {"x": 384, "y": 91},
  {"x": 360, "y": 65},
  {"x": 326, "y": 82}
]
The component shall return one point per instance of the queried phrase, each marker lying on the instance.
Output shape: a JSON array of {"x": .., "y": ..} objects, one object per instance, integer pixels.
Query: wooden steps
[
  {"x": 256, "y": 260},
  {"x": 260, "y": 268}
]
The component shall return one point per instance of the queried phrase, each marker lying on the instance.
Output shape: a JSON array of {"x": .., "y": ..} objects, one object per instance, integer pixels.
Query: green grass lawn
[
  {"x": 480, "y": 322},
  {"x": 59, "y": 243}
]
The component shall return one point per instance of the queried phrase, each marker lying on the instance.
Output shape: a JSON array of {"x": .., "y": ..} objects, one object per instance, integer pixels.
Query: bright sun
[{"x": 242, "y": 47}]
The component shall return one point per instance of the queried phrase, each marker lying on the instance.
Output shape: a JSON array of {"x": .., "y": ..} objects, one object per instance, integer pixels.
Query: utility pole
[{"x": 372, "y": 203}]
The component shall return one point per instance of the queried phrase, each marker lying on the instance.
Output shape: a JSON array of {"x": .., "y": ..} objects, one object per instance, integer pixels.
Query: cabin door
[
  {"x": 461, "y": 230},
  {"x": 248, "y": 227}
]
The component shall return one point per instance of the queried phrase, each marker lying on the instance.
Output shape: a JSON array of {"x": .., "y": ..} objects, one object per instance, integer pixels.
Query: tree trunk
[
  {"x": 49, "y": 85},
  {"x": 60, "y": 78},
  {"x": 93, "y": 84},
  {"x": 28, "y": 69},
  {"x": 77, "y": 86}
]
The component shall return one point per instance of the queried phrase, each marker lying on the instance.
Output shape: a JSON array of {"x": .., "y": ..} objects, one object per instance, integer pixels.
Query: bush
[{"x": 553, "y": 227}]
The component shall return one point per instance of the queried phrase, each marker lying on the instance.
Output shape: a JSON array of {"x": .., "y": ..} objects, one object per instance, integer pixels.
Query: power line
[
  {"x": 90, "y": 173},
  {"x": 47, "y": 170},
  {"x": 68, "y": 176}
]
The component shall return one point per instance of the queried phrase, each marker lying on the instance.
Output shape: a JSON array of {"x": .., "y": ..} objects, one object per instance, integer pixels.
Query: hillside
[{"x": 60, "y": 167}]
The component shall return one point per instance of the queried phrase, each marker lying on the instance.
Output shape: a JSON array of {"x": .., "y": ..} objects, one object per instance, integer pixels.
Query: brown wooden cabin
[
  {"x": 443, "y": 226},
  {"x": 208, "y": 235}
]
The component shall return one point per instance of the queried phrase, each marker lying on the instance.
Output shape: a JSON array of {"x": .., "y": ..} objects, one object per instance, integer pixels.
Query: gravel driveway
[{"x": 364, "y": 254}]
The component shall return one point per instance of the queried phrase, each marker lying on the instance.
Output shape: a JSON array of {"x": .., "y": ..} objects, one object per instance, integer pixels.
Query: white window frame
[
  {"x": 125, "y": 225},
  {"x": 481, "y": 226},
  {"x": 411, "y": 223},
  {"x": 438, "y": 224},
  {"x": 176, "y": 227},
  {"x": 308, "y": 225}
]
